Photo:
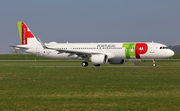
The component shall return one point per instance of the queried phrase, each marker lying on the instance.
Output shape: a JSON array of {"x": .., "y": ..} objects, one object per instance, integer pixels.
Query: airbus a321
[{"x": 97, "y": 53}]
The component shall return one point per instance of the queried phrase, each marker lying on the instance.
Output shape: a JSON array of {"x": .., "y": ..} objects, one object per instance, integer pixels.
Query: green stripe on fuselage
[
  {"x": 19, "y": 24},
  {"x": 129, "y": 49}
]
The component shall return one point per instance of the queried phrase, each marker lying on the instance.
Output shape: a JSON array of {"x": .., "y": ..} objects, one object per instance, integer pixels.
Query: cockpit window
[{"x": 163, "y": 47}]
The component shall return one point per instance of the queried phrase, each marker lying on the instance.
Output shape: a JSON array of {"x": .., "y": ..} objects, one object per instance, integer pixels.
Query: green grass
[
  {"x": 26, "y": 87},
  {"x": 176, "y": 56}
]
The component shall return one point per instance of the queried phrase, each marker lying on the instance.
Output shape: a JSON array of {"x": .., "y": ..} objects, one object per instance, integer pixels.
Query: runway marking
[{"x": 137, "y": 63}]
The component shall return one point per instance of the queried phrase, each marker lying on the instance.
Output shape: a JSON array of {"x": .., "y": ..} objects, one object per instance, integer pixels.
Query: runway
[{"x": 92, "y": 66}]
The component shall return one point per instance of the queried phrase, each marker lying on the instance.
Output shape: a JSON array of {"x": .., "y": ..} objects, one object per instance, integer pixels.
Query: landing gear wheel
[
  {"x": 84, "y": 64},
  {"x": 96, "y": 65},
  {"x": 154, "y": 65}
]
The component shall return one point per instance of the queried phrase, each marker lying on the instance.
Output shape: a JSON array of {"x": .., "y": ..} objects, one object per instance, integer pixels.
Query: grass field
[{"x": 34, "y": 85}]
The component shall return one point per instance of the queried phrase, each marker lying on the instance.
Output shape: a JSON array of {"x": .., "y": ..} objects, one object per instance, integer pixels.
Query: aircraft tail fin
[{"x": 26, "y": 36}]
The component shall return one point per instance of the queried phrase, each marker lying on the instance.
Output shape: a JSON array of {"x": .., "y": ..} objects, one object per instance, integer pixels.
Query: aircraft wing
[{"x": 72, "y": 52}]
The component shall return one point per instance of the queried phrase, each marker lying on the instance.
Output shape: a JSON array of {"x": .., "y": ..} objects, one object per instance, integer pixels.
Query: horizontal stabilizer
[{"x": 19, "y": 46}]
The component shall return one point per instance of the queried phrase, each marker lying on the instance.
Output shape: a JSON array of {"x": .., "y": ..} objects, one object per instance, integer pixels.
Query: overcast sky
[{"x": 91, "y": 21}]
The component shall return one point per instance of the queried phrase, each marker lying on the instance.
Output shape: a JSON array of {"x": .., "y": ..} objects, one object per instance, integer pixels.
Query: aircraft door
[
  {"x": 70, "y": 47},
  {"x": 152, "y": 48},
  {"x": 99, "y": 48}
]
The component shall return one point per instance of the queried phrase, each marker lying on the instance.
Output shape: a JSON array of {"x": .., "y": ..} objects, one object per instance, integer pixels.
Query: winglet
[{"x": 43, "y": 45}]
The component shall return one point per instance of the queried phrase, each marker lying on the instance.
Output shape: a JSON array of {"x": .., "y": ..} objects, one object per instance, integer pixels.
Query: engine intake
[{"x": 99, "y": 59}]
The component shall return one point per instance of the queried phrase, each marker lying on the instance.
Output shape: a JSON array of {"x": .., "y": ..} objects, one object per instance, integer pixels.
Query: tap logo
[
  {"x": 24, "y": 32},
  {"x": 134, "y": 50}
]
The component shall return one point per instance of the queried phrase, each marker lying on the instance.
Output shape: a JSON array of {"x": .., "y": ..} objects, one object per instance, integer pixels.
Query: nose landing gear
[{"x": 154, "y": 63}]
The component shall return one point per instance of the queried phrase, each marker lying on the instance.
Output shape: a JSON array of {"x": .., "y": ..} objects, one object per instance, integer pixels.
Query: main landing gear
[
  {"x": 96, "y": 65},
  {"x": 154, "y": 63},
  {"x": 84, "y": 64}
]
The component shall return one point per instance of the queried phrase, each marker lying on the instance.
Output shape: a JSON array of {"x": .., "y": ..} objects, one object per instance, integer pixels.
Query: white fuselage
[{"x": 112, "y": 50}]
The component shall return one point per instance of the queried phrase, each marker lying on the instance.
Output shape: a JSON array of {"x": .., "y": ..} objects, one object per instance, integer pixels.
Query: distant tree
[{"x": 15, "y": 51}]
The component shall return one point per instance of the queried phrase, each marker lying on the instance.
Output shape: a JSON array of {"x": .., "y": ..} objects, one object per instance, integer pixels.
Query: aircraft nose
[{"x": 171, "y": 53}]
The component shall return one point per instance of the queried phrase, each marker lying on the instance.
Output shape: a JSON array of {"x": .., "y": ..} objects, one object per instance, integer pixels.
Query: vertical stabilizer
[{"x": 26, "y": 36}]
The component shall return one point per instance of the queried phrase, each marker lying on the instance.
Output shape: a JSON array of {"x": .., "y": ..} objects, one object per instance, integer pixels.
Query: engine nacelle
[
  {"x": 99, "y": 59},
  {"x": 117, "y": 61}
]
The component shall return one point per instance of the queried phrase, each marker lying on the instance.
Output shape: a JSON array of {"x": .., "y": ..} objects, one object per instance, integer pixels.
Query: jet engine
[
  {"x": 99, "y": 59},
  {"x": 117, "y": 61}
]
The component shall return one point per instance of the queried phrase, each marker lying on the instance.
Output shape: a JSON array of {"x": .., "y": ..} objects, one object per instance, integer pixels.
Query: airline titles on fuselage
[{"x": 106, "y": 46}]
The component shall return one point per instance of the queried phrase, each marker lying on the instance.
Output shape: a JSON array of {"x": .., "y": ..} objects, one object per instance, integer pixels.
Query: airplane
[{"x": 97, "y": 53}]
